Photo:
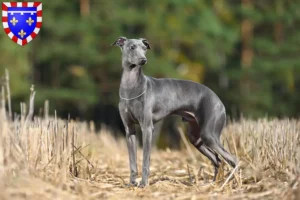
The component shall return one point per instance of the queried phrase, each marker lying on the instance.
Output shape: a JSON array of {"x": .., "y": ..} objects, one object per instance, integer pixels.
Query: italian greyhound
[{"x": 146, "y": 100}]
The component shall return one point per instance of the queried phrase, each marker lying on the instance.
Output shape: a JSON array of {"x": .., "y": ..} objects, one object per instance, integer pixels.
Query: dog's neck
[{"x": 133, "y": 81}]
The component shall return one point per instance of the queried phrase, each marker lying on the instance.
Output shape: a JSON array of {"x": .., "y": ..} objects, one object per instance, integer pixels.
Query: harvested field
[{"x": 54, "y": 159}]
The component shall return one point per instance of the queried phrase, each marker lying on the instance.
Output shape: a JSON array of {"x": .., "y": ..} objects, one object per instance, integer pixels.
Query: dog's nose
[{"x": 143, "y": 61}]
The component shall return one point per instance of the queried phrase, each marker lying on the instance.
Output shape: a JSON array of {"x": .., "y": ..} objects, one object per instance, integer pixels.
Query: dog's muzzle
[{"x": 143, "y": 61}]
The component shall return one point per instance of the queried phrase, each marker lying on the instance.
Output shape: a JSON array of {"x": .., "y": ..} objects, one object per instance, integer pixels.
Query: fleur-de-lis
[
  {"x": 29, "y": 21},
  {"x": 14, "y": 21},
  {"x": 22, "y": 33}
]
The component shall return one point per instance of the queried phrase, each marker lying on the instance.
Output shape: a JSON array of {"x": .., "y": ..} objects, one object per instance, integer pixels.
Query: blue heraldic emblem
[{"x": 22, "y": 21}]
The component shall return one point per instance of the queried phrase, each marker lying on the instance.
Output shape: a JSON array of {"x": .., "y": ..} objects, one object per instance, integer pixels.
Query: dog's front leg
[
  {"x": 131, "y": 146},
  {"x": 147, "y": 141}
]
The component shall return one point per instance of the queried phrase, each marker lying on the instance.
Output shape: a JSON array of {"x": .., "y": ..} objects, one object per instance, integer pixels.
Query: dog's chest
[{"x": 133, "y": 109}]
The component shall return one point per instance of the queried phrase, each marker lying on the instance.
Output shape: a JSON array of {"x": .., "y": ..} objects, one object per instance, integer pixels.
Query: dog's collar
[
  {"x": 133, "y": 97},
  {"x": 136, "y": 96}
]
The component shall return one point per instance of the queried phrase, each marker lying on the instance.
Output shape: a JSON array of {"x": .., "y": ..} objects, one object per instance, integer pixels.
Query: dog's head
[{"x": 133, "y": 50}]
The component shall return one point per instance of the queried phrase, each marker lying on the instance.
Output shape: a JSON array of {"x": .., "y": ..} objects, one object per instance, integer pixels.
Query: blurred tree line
[{"x": 246, "y": 51}]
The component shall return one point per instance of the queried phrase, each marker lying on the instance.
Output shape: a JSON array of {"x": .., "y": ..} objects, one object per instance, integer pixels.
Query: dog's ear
[
  {"x": 119, "y": 42},
  {"x": 146, "y": 43}
]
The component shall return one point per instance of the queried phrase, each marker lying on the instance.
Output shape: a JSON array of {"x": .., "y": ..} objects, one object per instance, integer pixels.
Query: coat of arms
[{"x": 22, "y": 21}]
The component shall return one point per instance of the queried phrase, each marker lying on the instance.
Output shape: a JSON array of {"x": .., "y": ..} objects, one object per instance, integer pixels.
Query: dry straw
[{"x": 51, "y": 158}]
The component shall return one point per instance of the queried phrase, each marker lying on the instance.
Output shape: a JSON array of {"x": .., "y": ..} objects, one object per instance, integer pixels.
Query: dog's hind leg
[
  {"x": 210, "y": 134},
  {"x": 194, "y": 136},
  {"x": 216, "y": 161}
]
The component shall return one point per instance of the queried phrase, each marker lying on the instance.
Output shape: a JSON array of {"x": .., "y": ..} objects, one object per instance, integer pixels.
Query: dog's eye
[{"x": 132, "y": 47}]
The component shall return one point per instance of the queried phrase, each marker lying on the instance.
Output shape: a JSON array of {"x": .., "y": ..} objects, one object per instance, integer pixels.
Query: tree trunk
[
  {"x": 247, "y": 37},
  {"x": 84, "y": 8},
  {"x": 278, "y": 28}
]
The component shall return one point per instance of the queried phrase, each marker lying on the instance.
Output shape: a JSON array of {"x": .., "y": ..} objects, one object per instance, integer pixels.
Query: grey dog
[{"x": 145, "y": 100}]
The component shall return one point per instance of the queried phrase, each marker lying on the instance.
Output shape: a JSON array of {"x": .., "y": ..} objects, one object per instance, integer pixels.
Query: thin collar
[
  {"x": 133, "y": 97},
  {"x": 136, "y": 96}
]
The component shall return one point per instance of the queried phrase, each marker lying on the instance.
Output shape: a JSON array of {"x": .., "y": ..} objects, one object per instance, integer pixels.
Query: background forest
[{"x": 246, "y": 51}]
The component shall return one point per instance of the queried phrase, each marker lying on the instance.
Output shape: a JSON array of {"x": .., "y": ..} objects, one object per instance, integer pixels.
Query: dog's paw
[
  {"x": 132, "y": 184},
  {"x": 142, "y": 185}
]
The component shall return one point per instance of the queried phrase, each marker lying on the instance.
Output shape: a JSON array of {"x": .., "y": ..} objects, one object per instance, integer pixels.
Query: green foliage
[{"x": 71, "y": 61}]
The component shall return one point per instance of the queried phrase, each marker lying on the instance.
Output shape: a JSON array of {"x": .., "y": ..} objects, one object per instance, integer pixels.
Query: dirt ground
[{"x": 57, "y": 160}]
